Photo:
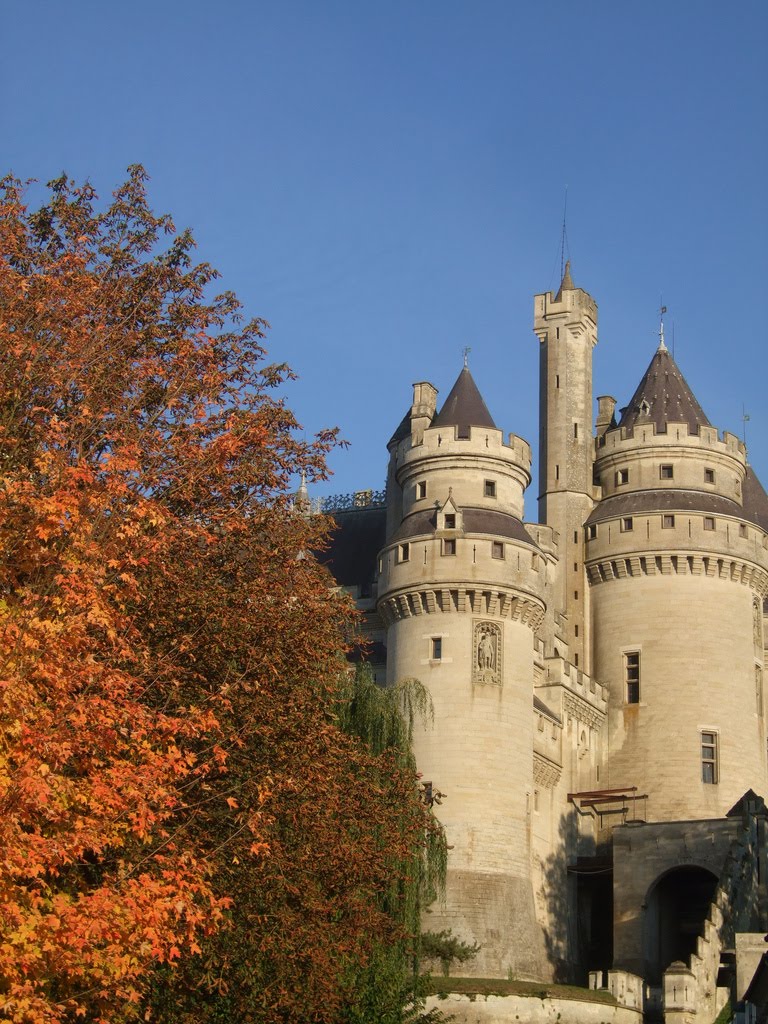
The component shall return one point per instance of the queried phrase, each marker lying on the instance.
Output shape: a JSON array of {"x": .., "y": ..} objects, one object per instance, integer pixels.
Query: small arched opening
[{"x": 676, "y": 909}]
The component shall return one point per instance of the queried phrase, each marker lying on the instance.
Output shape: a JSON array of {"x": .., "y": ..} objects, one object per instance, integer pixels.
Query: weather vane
[
  {"x": 465, "y": 352},
  {"x": 662, "y": 311},
  {"x": 744, "y": 422}
]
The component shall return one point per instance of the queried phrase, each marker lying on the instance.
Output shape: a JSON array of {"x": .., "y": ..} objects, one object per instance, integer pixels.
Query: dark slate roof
[
  {"x": 355, "y": 545},
  {"x": 476, "y": 520},
  {"x": 662, "y": 397},
  {"x": 755, "y": 500},
  {"x": 464, "y": 407},
  {"x": 668, "y": 499},
  {"x": 402, "y": 431}
]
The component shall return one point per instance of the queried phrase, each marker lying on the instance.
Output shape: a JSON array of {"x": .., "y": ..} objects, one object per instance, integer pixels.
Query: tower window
[
  {"x": 497, "y": 549},
  {"x": 666, "y": 472},
  {"x": 436, "y": 648},
  {"x": 450, "y": 521},
  {"x": 490, "y": 488},
  {"x": 449, "y": 547},
  {"x": 622, "y": 476},
  {"x": 405, "y": 552},
  {"x": 627, "y": 524},
  {"x": 575, "y": 429},
  {"x": 632, "y": 676},
  {"x": 421, "y": 490},
  {"x": 709, "y": 523},
  {"x": 592, "y": 531},
  {"x": 709, "y": 476},
  {"x": 557, "y": 379},
  {"x": 742, "y": 530},
  {"x": 709, "y": 772},
  {"x": 668, "y": 522}
]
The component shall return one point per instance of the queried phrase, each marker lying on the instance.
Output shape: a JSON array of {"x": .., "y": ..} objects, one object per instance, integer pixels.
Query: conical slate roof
[
  {"x": 662, "y": 397},
  {"x": 755, "y": 500},
  {"x": 464, "y": 407},
  {"x": 566, "y": 285}
]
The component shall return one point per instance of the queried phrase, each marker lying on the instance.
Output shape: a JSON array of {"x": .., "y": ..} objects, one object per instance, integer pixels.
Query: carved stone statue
[{"x": 486, "y": 662}]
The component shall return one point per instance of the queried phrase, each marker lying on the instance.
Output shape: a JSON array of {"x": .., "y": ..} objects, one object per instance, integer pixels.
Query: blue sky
[{"x": 384, "y": 183}]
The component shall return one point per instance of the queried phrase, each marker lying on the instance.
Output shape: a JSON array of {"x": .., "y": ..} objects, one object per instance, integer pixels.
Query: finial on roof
[
  {"x": 662, "y": 345},
  {"x": 566, "y": 285},
  {"x": 465, "y": 351}
]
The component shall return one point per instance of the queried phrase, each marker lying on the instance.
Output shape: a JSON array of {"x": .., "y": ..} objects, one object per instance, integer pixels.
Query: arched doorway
[{"x": 676, "y": 908}]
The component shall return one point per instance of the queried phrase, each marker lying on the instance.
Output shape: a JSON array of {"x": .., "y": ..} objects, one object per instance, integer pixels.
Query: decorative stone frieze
[
  {"x": 583, "y": 711},
  {"x": 747, "y": 573},
  {"x": 515, "y": 606},
  {"x": 545, "y": 772}
]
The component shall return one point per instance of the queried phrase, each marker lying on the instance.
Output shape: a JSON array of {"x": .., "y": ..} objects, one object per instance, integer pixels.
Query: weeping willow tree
[{"x": 389, "y": 988}]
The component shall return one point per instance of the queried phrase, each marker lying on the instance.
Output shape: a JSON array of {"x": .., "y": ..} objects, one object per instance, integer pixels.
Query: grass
[{"x": 500, "y": 987}]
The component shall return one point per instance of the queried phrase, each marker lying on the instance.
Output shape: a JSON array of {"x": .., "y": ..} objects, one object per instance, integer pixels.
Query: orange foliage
[{"x": 160, "y": 639}]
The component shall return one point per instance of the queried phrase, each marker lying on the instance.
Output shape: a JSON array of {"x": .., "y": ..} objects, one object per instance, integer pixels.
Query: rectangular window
[
  {"x": 421, "y": 489},
  {"x": 449, "y": 547},
  {"x": 405, "y": 552},
  {"x": 632, "y": 676},
  {"x": 709, "y": 758},
  {"x": 742, "y": 530},
  {"x": 497, "y": 549},
  {"x": 709, "y": 476},
  {"x": 668, "y": 522},
  {"x": 591, "y": 532},
  {"x": 450, "y": 521},
  {"x": 490, "y": 488},
  {"x": 709, "y": 523},
  {"x": 626, "y": 524},
  {"x": 575, "y": 429},
  {"x": 436, "y": 652},
  {"x": 622, "y": 476},
  {"x": 666, "y": 472}
]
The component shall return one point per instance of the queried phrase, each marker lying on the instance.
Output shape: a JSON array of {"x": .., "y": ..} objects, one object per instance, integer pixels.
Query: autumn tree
[{"x": 172, "y": 772}]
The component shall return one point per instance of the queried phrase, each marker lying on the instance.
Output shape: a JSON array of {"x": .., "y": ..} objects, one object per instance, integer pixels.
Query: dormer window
[
  {"x": 645, "y": 408},
  {"x": 450, "y": 521}
]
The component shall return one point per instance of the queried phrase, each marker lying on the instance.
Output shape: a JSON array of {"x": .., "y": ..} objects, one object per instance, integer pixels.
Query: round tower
[
  {"x": 461, "y": 588},
  {"x": 678, "y": 568}
]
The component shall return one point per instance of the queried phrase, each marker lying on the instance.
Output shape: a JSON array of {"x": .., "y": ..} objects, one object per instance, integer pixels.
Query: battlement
[{"x": 624, "y": 439}]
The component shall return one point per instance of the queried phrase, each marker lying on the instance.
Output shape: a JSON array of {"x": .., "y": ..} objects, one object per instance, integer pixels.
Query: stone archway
[{"x": 676, "y": 908}]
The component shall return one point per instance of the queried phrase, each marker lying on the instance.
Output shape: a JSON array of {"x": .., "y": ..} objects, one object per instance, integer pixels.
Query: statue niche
[{"x": 486, "y": 654}]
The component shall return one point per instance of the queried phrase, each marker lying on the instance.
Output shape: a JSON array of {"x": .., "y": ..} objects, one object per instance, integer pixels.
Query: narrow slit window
[
  {"x": 709, "y": 768},
  {"x": 632, "y": 676},
  {"x": 436, "y": 645}
]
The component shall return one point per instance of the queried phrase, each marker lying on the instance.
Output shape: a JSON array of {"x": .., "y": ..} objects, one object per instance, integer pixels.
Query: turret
[
  {"x": 461, "y": 587},
  {"x": 678, "y": 570}
]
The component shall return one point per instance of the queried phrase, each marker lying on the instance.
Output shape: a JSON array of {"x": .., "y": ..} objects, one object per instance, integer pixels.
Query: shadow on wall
[{"x": 577, "y": 898}]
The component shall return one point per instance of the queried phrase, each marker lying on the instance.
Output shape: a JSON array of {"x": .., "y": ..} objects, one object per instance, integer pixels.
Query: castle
[{"x": 597, "y": 677}]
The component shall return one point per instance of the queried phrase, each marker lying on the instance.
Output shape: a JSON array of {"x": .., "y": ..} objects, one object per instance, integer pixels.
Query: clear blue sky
[{"x": 384, "y": 182}]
